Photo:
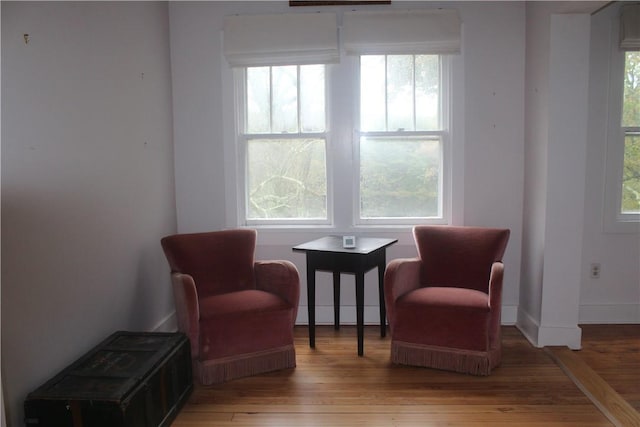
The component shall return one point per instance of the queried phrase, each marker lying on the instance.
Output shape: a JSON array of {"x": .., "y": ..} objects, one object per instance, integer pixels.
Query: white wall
[
  {"x": 198, "y": 142},
  {"x": 491, "y": 104},
  {"x": 494, "y": 44},
  {"x": 87, "y": 181}
]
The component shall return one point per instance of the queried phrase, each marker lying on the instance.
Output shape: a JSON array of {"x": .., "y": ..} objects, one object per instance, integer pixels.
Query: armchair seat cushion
[
  {"x": 241, "y": 303},
  {"x": 444, "y": 316},
  {"x": 243, "y": 322},
  {"x": 441, "y": 296}
]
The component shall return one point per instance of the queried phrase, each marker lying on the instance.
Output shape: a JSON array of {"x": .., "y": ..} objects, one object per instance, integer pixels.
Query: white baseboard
[
  {"x": 548, "y": 335},
  {"x": 609, "y": 313},
  {"x": 324, "y": 315},
  {"x": 570, "y": 336},
  {"x": 528, "y": 326}
]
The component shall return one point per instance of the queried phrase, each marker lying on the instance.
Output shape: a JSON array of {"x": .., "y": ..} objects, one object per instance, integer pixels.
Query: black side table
[{"x": 327, "y": 254}]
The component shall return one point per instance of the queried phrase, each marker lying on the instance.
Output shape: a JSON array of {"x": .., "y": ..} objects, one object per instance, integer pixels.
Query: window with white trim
[
  {"x": 401, "y": 138},
  {"x": 630, "y": 191},
  {"x": 383, "y": 147},
  {"x": 284, "y": 141}
]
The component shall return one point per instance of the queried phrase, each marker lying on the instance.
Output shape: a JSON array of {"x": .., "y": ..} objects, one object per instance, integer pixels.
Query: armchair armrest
[
  {"x": 187, "y": 309},
  {"x": 400, "y": 276},
  {"x": 281, "y": 278},
  {"x": 495, "y": 302},
  {"x": 495, "y": 284}
]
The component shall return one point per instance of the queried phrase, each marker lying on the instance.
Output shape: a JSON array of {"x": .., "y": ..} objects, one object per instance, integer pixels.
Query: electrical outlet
[{"x": 595, "y": 270}]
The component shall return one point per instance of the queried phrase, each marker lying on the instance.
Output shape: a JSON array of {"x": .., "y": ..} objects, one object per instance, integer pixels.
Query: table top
[{"x": 364, "y": 245}]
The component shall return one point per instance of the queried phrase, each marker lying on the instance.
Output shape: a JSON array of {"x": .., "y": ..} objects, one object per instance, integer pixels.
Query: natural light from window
[
  {"x": 288, "y": 160},
  {"x": 631, "y": 127},
  {"x": 285, "y": 143},
  {"x": 401, "y": 137}
]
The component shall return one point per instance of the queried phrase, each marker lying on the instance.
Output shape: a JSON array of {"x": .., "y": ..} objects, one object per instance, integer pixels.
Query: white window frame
[
  {"x": 614, "y": 220},
  {"x": 444, "y": 193},
  {"x": 342, "y": 97},
  {"x": 241, "y": 142}
]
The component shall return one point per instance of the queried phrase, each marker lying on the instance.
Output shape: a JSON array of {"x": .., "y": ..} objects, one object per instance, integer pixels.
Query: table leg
[
  {"x": 311, "y": 302},
  {"x": 360, "y": 311},
  {"x": 336, "y": 300},
  {"x": 383, "y": 308}
]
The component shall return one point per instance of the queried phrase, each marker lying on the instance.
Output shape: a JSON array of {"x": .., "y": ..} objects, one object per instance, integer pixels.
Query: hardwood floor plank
[
  {"x": 613, "y": 351},
  {"x": 387, "y": 409},
  {"x": 332, "y": 386},
  {"x": 364, "y": 419},
  {"x": 618, "y": 410},
  {"x": 421, "y": 419}
]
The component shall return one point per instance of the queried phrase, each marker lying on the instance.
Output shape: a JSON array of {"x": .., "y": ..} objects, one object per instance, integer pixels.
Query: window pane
[
  {"x": 427, "y": 92},
  {"x": 400, "y": 177},
  {"x": 285, "y": 99},
  {"x": 400, "y": 92},
  {"x": 372, "y": 93},
  {"x": 312, "y": 98},
  {"x": 258, "y": 100},
  {"x": 631, "y": 175},
  {"x": 631, "y": 106},
  {"x": 286, "y": 179}
]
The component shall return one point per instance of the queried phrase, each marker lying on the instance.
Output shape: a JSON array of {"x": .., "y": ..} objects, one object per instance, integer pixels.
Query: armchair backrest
[
  {"x": 218, "y": 261},
  {"x": 459, "y": 256}
]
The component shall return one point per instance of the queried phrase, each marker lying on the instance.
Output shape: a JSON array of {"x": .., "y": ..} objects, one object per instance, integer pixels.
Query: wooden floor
[
  {"x": 332, "y": 386},
  {"x": 607, "y": 370},
  {"x": 613, "y": 352}
]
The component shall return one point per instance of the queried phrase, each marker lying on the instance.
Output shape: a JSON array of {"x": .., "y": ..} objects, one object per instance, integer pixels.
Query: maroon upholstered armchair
[
  {"x": 237, "y": 312},
  {"x": 444, "y": 306}
]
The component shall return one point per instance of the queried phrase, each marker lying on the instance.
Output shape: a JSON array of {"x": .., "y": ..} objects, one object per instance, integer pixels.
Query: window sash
[
  {"x": 445, "y": 156},
  {"x": 628, "y": 210},
  {"x": 283, "y": 172},
  {"x": 443, "y": 149},
  {"x": 274, "y": 112},
  {"x": 418, "y": 112},
  {"x": 633, "y": 214},
  {"x": 244, "y": 138}
]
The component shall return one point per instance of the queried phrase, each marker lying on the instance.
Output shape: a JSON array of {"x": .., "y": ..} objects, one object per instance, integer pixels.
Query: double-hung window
[
  {"x": 284, "y": 141},
  {"x": 290, "y": 160},
  {"x": 281, "y": 135},
  {"x": 630, "y": 196},
  {"x": 401, "y": 138}
]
